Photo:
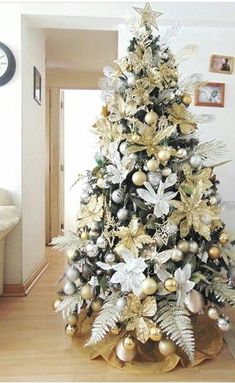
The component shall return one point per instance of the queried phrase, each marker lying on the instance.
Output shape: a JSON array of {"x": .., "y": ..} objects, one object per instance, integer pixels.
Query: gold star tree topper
[{"x": 148, "y": 16}]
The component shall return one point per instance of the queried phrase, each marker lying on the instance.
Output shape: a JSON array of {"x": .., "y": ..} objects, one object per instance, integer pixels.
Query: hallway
[{"x": 34, "y": 347}]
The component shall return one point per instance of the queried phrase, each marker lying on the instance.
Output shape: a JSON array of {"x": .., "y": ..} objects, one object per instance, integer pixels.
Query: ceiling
[{"x": 80, "y": 50}]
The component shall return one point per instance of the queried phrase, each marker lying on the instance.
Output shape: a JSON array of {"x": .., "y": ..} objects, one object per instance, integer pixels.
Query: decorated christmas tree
[{"x": 150, "y": 264}]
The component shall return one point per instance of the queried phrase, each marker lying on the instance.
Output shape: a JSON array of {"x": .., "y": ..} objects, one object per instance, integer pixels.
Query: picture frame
[
  {"x": 210, "y": 94},
  {"x": 221, "y": 64},
  {"x": 37, "y": 86}
]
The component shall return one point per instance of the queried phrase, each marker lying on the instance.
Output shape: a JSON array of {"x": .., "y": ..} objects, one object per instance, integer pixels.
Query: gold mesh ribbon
[{"x": 208, "y": 340}]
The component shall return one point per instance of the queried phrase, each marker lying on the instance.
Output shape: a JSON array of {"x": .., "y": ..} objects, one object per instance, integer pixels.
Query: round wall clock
[{"x": 7, "y": 64}]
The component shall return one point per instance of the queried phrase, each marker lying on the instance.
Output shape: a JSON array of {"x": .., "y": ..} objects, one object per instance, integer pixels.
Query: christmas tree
[{"x": 150, "y": 253}]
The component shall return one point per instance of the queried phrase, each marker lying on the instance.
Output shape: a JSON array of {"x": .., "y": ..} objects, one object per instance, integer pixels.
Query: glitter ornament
[
  {"x": 118, "y": 196},
  {"x": 154, "y": 178},
  {"x": 155, "y": 334},
  {"x": 223, "y": 239},
  {"x": 223, "y": 322}
]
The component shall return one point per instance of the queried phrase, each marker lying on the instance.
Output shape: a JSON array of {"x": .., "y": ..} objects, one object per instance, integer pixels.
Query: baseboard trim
[{"x": 21, "y": 290}]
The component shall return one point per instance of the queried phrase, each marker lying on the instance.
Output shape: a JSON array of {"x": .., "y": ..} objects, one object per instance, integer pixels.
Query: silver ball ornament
[
  {"x": 166, "y": 172},
  {"x": 93, "y": 234},
  {"x": 177, "y": 255},
  {"x": 195, "y": 161},
  {"x": 123, "y": 148},
  {"x": 123, "y": 214},
  {"x": 110, "y": 258},
  {"x": 118, "y": 196},
  {"x": 154, "y": 178},
  {"x": 101, "y": 242},
  {"x": 91, "y": 250},
  {"x": 223, "y": 322},
  {"x": 69, "y": 288},
  {"x": 181, "y": 153},
  {"x": 172, "y": 227},
  {"x": 133, "y": 156},
  {"x": 95, "y": 226},
  {"x": 72, "y": 274},
  {"x": 193, "y": 246}
]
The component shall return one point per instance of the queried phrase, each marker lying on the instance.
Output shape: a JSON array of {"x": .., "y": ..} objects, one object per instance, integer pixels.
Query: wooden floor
[{"x": 33, "y": 346}]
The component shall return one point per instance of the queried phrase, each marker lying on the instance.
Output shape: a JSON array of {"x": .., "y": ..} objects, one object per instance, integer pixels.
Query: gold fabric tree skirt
[{"x": 208, "y": 340}]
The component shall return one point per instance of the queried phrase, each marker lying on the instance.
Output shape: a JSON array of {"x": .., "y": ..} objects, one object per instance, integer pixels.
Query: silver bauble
[
  {"x": 223, "y": 322},
  {"x": 172, "y": 227},
  {"x": 177, "y": 255},
  {"x": 91, "y": 250},
  {"x": 166, "y": 172},
  {"x": 101, "y": 242},
  {"x": 121, "y": 303},
  {"x": 85, "y": 196},
  {"x": 133, "y": 156},
  {"x": 122, "y": 214},
  {"x": 193, "y": 246},
  {"x": 181, "y": 153},
  {"x": 72, "y": 274},
  {"x": 123, "y": 148},
  {"x": 213, "y": 313},
  {"x": 109, "y": 258},
  {"x": 154, "y": 178},
  {"x": 93, "y": 234},
  {"x": 123, "y": 354},
  {"x": 95, "y": 226},
  {"x": 69, "y": 288},
  {"x": 194, "y": 301},
  {"x": 206, "y": 219},
  {"x": 118, "y": 196},
  {"x": 195, "y": 161}
]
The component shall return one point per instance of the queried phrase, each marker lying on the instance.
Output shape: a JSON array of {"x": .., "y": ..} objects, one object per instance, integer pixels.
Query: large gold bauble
[
  {"x": 72, "y": 319},
  {"x": 123, "y": 354},
  {"x": 87, "y": 292},
  {"x": 70, "y": 330},
  {"x": 213, "y": 313},
  {"x": 105, "y": 111},
  {"x": 183, "y": 245},
  {"x": 164, "y": 155},
  {"x": 116, "y": 329},
  {"x": 194, "y": 301},
  {"x": 151, "y": 118},
  {"x": 166, "y": 347},
  {"x": 152, "y": 165},
  {"x": 187, "y": 99},
  {"x": 57, "y": 303},
  {"x": 149, "y": 286},
  {"x": 129, "y": 343},
  {"x": 97, "y": 304},
  {"x": 139, "y": 178},
  {"x": 223, "y": 238},
  {"x": 170, "y": 285},
  {"x": 155, "y": 334},
  {"x": 214, "y": 252},
  {"x": 84, "y": 235}
]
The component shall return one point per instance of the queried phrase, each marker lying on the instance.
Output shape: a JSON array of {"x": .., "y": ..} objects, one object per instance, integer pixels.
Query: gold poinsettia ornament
[
  {"x": 180, "y": 115},
  {"x": 192, "y": 178},
  {"x": 107, "y": 131},
  {"x": 132, "y": 237},
  {"x": 140, "y": 60},
  {"x": 93, "y": 211},
  {"x": 190, "y": 210},
  {"x": 137, "y": 315}
]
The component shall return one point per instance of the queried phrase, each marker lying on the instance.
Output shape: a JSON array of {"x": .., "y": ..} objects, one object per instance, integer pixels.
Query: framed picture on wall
[
  {"x": 210, "y": 94},
  {"x": 221, "y": 64},
  {"x": 37, "y": 86}
]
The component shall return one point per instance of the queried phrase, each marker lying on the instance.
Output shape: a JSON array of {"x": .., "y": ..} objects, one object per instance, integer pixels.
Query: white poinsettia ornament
[
  {"x": 128, "y": 273},
  {"x": 184, "y": 285},
  {"x": 118, "y": 172},
  {"x": 159, "y": 199}
]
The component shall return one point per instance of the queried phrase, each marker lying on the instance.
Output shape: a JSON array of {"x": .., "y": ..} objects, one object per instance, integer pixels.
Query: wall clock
[{"x": 7, "y": 64}]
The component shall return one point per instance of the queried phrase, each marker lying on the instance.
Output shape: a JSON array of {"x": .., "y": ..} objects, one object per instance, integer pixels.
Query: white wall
[
  {"x": 211, "y": 41},
  {"x": 81, "y": 110}
]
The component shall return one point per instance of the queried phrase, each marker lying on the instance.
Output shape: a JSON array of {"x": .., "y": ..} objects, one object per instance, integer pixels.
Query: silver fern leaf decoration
[
  {"x": 106, "y": 319},
  {"x": 205, "y": 118},
  {"x": 189, "y": 83},
  {"x": 171, "y": 33},
  {"x": 223, "y": 292},
  {"x": 68, "y": 241},
  {"x": 174, "y": 321},
  {"x": 211, "y": 151}
]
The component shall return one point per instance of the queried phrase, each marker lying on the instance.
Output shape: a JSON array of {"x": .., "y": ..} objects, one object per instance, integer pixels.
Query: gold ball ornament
[
  {"x": 72, "y": 319},
  {"x": 187, "y": 99},
  {"x": 214, "y": 252},
  {"x": 70, "y": 330},
  {"x": 213, "y": 313},
  {"x": 155, "y": 334},
  {"x": 84, "y": 235},
  {"x": 170, "y": 285},
  {"x": 97, "y": 304},
  {"x": 138, "y": 178},
  {"x": 129, "y": 343},
  {"x": 223, "y": 239},
  {"x": 116, "y": 329},
  {"x": 87, "y": 292},
  {"x": 105, "y": 111},
  {"x": 56, "y": 303},
  {"x": 152, "y": 165},
  {"x": 151, "y": 118},
  {"x": 183, "y": 245},
  {"x": 149, "y": 286},
  {"x": 123, "y": 354},
  {"x": 166, "y": 347},
  {"x": 164, "y": 155}
]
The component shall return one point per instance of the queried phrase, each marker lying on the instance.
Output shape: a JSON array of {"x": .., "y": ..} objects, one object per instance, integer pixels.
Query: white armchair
[{"x": 9, "y": 217}]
